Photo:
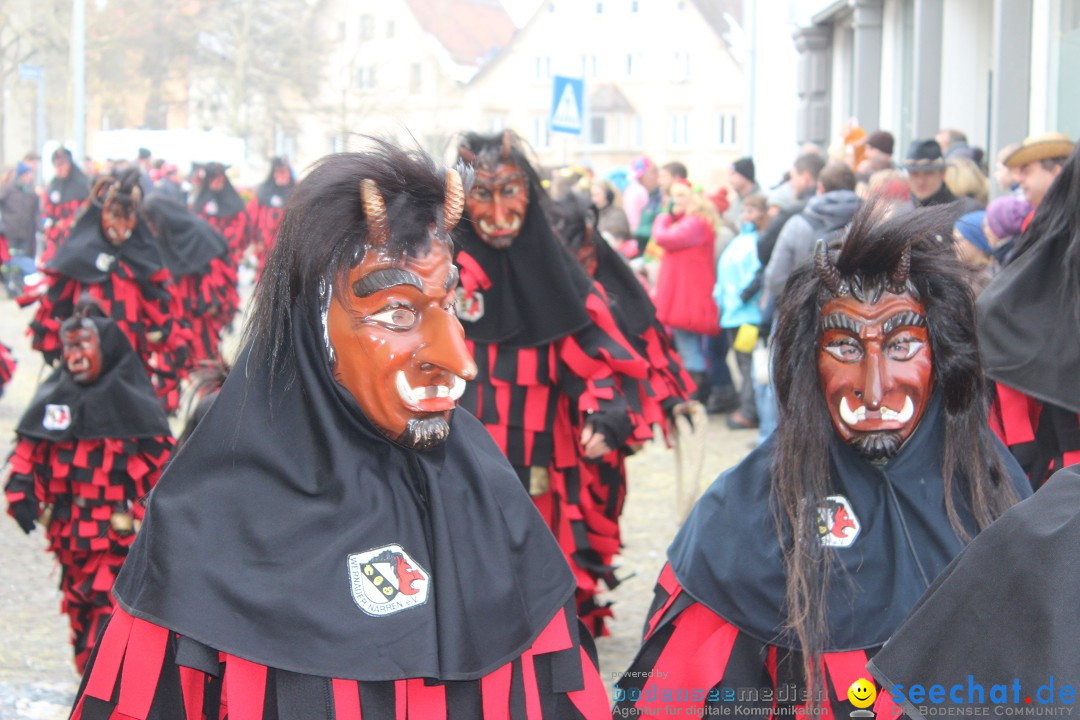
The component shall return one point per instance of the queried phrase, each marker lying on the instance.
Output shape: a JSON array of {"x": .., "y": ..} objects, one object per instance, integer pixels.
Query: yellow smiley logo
[{"x": 862, "y": 693}]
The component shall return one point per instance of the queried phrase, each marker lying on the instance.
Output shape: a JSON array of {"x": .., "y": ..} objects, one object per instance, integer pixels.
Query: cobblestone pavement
[{"x": 37, "y": 677}]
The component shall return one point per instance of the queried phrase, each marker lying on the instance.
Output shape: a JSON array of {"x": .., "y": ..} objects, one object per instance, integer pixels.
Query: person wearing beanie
[
  {"x": 21, "y": 212},
  {"x": 973, "y": 248},
  {"x": 1004, "y": 222},
  {"x": 742, "y": 179},
  {"x": 63, "y": 198},
  {"x": 878, "y": 149}
]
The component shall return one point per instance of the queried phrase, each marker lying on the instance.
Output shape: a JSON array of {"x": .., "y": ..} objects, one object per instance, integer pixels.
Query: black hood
[
  {"x": 188, "y": 242},
  {"x": 88, "y": 257}
]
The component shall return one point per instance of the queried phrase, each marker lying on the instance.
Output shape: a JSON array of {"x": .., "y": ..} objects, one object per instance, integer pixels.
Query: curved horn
[
  {"x": 455, "y": 200},
  {"x": 504, "y": 151},
  {"x": 375, "y": 212},
  {"x": 826, "y": 270},
  {"x": 899, "y": 276},
  {"x": 466, "y": 154}
]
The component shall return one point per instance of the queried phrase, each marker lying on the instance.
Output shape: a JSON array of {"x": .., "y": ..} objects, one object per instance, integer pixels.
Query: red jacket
[{"x": 687, "y": 274}]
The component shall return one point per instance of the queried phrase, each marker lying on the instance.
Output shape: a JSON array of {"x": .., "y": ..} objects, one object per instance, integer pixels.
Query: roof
[
  {"x": 472, "y": 31},
  {"x": 717, "y": 12},
  {"x": 608, "y": 98}
]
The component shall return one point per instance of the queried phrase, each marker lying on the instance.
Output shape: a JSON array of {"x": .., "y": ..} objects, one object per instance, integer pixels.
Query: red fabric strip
[
  {"x": 346, "y": 700},
  {"x": 109, "y": 655},
  {"x": 495, "y": 690},
  {"x": 884, "y": 707},
  {"x": 845, "y": 668},
  {"x": 554, "y": 637},
  {"x": 1015, "y": 412},
  {"x": 592, "y": 700},
  {"x": 245, "y": 688},
  {"x": 193, "y": 687},
  {"x": 426, "y": 702},
  {"x": 526, "y": 366},
  {"x": 474, "y": 275},
  {"x": 671, "y": 585},
  {"x": 401, "y": 700}
]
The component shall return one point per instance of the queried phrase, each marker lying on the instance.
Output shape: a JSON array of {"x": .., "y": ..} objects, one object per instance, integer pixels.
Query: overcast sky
[{"x": 520, "y": 10}]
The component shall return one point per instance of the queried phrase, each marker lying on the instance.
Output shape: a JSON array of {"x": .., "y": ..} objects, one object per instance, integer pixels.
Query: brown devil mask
[{"x": 499, "y": 196}]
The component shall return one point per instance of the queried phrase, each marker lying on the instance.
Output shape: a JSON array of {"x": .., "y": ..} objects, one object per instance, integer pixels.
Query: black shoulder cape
[
  {"x": 630, "y": 304},
  {"x": 75, "y": 186},
  {"x": 268, "y": 190},
  {"x": 1005, "y": 610},
  {"x": 1028, "y": 327},
  {"x": 225, "y": 203},
  {"x": 256, "y": 536},
  {"x": 188, "y": 243},
  {"x": 727, "y": 555},
  {"x": 88, "y": 257},
  {"x": 538, "y": 290},
  {"x": 121, "y": 404}
]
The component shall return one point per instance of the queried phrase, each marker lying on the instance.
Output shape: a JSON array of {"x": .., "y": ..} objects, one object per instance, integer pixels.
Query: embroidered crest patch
[
  {"x": 57, "y": 417},
  {"x": 104, "y": 261},
  {"x": 386, "y": 580},
  {"x": 470, "y": 307},
  {"x": 54, "y": 197},
  {"x": 210, "y": 208},
  {"x": 837, "y": 524},
  {"x": 276, "y": 201}
]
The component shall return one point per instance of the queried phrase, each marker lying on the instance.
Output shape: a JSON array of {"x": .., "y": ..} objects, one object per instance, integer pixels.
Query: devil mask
[
  {"x": 82, "y": 352},
  {"x": 394, "y": 339},
  {"x": 119, "y": 199},
  {"x": 499, "y": 196},
  {"x": 874, "y": 357}
]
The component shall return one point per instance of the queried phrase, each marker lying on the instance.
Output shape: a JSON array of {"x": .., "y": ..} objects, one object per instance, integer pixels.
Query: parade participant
[
  {"x": 111, "y": 257},
  {"x": 90, "y": 446},
  {"x": 7, "y": 366},
  {"x": 1020, "y": 654},
  {"x": 554, "y": 367},
  {"x": 66, "y": 193},
  {"x": 218, "y": 203},
  {"x": 668, "y": 383},
  {"x": 1028, "y": 322},
  {"x": 335, "y": 540},
  {"x": 198, "y": 258},
  {"x": 798, "y": 563},
  {"x": 265, "y": 209}
]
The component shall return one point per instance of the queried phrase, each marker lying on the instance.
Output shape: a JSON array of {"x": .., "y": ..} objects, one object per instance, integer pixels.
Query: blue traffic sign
[
  {"x": 568, "y": 105},
  {"x": 31, "y": 72}
]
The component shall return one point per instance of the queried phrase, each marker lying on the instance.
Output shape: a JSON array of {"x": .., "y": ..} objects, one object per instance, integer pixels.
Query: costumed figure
[
  {"x": 335, "y": 540},
  {"x": 7, "y": 366},
  {"x": 218, "y": 203},
  {"x": 996, "y": 633},
  {"x": 668, "y": 383},
  {"x": 265, "y": 209},
  {"x": 558, "y": 381},
  {"x": 198, "y": 258},
  {"x": 1029, "y": 320},
  {"x": 112, "y": 257},
  {"x": 66, "y": 193},
  {"x": 90, "y": 446},
  {"x": 797, "y": 564}
]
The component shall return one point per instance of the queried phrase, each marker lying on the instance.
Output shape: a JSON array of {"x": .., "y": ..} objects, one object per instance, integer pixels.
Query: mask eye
[
  {"x": 399, "y": 317},
  {"x": 845, "y": 350},
  {"x": 903, "y": 347}
]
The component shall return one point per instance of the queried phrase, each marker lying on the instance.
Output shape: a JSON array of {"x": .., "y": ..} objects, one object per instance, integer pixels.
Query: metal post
[
  {"x": 78, "y": 76},
  {"x": 40, "y": 124}
]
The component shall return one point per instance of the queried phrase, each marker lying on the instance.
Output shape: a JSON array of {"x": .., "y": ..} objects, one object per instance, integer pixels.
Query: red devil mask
[
  {"x": 82, "y": 353},
  {"x": 499, "y": 197}
]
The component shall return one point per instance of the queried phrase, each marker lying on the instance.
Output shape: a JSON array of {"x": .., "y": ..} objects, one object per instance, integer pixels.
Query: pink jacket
[{"x": 687, "y": 274}]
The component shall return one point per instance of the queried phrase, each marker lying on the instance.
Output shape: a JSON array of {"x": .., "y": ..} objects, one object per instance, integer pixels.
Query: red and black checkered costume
[
  {"x": 60, "y": 204},
  {"x": 85, "y": 459},
  {"x": 266, "y": 210},
  {"x": 7, "y": 366},
  {"x": 224, "y": 209}
]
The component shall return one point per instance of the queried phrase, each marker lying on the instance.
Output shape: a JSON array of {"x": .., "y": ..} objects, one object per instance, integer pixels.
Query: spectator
[
  {"x": 668, "y": 174},
  {"x": 964, "y": 179},
  {"x": 926, "y": 177},
  {"x": 735, "y": 271},
  {"x": 889, "y": 186},
  {"x": 741, "y": 178},
  {"x": 878, "y": 150},
  {"x": 973, "y": 249},
  {"x": 612, "y": 223},
  {"x": 954, "y": 145},
  {"x": 687, "y": 275},
  {"x": 832, "y": 209},
  {"x": 1003, "y": 174},
  {"x": 641, "y": 200},
  {"x": 1037, "y": 162},
  {"x": 1004, "y": 222},
  {"x": 20, "y": 210}
]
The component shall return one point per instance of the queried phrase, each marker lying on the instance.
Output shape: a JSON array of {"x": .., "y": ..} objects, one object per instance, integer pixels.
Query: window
[
  {"x": 680, "y": 130},
  {"x": 541, "y": 132},
  {"x": 638, "y": 133},
  {"x": 415, "y": 76},
  {"x": 727, "y": 129},
  {"x": 633, "y": 64},
  {"x": 542, "y": 68},
  {"x": 594, "y": 66},
  {"x": 680, "y": 68},
  {"x": 367, "y": 27},
  {"x": 598, "y": 130},
  {"x": 365, "y": 77}
]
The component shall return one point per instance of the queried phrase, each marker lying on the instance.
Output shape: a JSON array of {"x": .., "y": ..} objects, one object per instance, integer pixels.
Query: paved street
[{"x": 37, "y": 680}]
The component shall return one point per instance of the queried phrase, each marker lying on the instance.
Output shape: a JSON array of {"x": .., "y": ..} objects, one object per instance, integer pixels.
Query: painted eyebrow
[
  {"x": 384, "y": 279},
  {"x": 839, "y": 321},
  {"x": 908, "y": 318},
  {"x": 451, "y": 278}
]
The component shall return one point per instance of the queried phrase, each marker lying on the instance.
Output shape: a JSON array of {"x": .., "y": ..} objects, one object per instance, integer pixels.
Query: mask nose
[
  {"x": 873, "y": 390},
  {"x": 446, "y": 347}
]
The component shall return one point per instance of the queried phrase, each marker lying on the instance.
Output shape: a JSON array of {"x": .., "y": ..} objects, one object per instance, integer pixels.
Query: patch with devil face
[
  {"x": 837, "y": 524},
  {"x": 387, "y": 580}
]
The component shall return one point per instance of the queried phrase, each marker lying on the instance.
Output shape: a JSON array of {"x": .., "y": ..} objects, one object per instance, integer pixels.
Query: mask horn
[
  {"x": 504, "y": 151},
  {"x": 827, "y": 271},
  {"x": 898, "y": 278},
  {"x": 455, "y": 200},
  {"x": 375, "y": 211},
  {"x": 466, "y": 154}
]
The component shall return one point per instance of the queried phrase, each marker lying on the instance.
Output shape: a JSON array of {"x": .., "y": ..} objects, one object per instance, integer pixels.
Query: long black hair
[
  {"x": 324, "y": 230},
  {"x": 874, "y": 247}
]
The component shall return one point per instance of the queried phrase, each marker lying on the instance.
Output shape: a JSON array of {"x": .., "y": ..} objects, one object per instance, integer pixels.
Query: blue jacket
[{"x": 736, "y": 269}]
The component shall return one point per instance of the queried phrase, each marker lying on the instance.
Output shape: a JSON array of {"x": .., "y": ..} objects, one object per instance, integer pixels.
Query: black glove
[{"x": 25, "y": 512}]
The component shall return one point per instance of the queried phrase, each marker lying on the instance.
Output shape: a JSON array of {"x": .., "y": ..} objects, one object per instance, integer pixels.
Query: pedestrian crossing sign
[{"x": 567, "y": 105}]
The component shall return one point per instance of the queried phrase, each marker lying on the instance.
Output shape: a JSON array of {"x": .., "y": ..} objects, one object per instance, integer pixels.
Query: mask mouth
[
  {"x": 500, "y": 233},
  {"x": 78, "y": 365},
  {"x": 429, "y": 398},
  {"x": 860, "y": 414}
]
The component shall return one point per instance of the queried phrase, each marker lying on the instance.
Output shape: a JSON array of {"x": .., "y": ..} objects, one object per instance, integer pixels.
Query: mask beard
[
  {"x": 876, "y": 446},
  {"x": 425, "y": 433}
]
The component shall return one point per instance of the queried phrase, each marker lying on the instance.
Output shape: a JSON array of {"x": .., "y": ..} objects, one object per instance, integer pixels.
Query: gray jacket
[{"x": 824, "y": 215}]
